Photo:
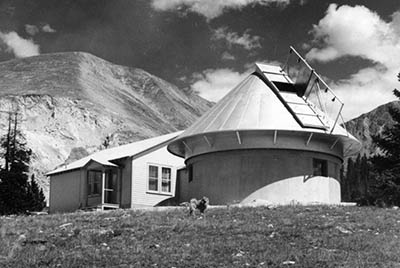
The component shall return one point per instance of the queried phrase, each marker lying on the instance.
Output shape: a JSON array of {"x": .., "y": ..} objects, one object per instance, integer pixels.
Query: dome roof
[{"x": 266, "y": 100}]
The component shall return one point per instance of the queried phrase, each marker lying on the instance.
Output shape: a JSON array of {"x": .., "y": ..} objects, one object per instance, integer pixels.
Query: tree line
[
  {"x": 18, "y": 192},
  {"x": 376, "y": 180}
]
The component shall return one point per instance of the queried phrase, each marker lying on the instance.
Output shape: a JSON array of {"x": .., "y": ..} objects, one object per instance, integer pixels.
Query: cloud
[
  {"x": 31, "y": 29},
  {"x": 347, "y": 31},
  {"x": 47, "y": 29},
  {"x": 210, "y": 8},
  {"x": 365, "y": 90},
  {"x": 213, "y": 84},
  {"x": 227, "y": 56},
  {"x": 246, "y": 41},
  {"x": 19, "y": 46}
]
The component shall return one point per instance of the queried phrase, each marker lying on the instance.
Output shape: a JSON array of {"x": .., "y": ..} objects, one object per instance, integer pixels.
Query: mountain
[
  {"x": 371, "y": 124},
  {"x": 74, "y": 103}
]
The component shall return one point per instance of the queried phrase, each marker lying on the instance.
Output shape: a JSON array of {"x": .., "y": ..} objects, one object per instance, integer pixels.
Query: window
[
  {"x": 320, "y": 167},
  {"x": 190, "y": 171},
  {"x": 160, "y": 179},
  {"x": 166, "y": 180},
  {"x": 153, "y": 178},
  {"x": 94, "y": 182}
]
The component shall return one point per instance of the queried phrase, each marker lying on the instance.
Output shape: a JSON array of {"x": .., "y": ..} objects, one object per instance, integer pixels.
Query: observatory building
[{"x": 277, "y": 136}]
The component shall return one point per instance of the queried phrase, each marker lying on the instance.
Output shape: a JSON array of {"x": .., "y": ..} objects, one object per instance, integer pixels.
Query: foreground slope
[
  {"x": 74, "y": 103},
  {"x": 292, "y": 236}
]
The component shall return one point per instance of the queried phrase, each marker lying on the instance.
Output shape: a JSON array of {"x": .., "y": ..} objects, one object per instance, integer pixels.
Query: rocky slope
[
  {"x": 74, "y": 103},
  {"x": 370, "y": 124}
]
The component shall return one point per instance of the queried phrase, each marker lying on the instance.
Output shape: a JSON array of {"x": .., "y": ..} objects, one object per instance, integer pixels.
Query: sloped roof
[
  {"x": 266, "y": 100},
  {"x": 129, "y": 150},
  {"x": 253, "y": 105}
]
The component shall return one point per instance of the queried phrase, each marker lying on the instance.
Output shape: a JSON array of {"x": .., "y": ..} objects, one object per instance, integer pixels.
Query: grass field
[{"x": 290, "y": 236}]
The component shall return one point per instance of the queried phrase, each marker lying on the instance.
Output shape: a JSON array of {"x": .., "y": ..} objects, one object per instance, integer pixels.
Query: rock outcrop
[{"x": 371, "y": 124}]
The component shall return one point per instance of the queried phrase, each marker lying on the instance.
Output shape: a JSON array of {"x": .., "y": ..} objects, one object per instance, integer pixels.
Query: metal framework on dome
[{"x": 313, "y": 89}]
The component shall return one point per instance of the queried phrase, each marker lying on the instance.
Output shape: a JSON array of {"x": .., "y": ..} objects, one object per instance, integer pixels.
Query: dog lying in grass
[{"x": 200, "y": 205}]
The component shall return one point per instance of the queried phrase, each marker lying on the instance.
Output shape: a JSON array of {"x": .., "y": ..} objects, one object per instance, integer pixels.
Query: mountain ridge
[
  {"x": 370, "y": 124},
  {"x": 70, "y": 103}
]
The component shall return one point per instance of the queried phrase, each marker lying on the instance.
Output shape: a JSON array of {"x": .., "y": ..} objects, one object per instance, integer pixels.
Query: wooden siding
[
  {"x": 160, "y": 157},
  {"x": 66, "y": 191},
  {"x": 126, "y": 183}
]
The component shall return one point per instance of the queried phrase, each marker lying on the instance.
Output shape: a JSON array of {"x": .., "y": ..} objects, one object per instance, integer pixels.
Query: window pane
[
  {"x": 190, "y": 171},
  {"x": 96, "y": 187},
  {"x": 166, "y": 180},
  {"x": 153, "y": 184},
  {"x": 94, "y": 182},
  {"x": 153, "y": 178},
  {"x": 166, "y": 186},
  {"x": 153, "y": 171},
  {"x": 166, "y": 173},
  {"x": 320, "y": 167},
  {"x": 111, "y": 179}
]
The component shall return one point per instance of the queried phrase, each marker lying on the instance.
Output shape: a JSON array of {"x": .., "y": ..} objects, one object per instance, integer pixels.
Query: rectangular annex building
[{"x": 139, "y": 174}]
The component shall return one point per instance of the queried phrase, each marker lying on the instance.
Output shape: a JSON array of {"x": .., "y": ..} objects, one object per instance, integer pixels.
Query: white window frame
[{"x": 159, "y": 179}]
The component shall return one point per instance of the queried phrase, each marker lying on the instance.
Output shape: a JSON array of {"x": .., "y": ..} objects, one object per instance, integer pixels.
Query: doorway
[{"x": 111, "y": 187}]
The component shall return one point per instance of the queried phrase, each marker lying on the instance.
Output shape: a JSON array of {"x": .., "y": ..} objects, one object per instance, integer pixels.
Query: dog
[{"x": 200, "y": 205}]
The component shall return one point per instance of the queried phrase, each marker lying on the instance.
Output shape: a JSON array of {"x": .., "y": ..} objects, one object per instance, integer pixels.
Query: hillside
[
  {"x": 76, "y": 102},
  {"x": 292, "y": 236},
  {"x": 370, "y": 124}
]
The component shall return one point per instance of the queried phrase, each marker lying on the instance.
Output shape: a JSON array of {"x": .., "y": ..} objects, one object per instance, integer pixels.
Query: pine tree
[
  {"x": 36, "y": 196},
  {"x": 351, "y": 179},
  {"x": 15, "y": 190},
  {"x": 387, "y": 164},
  {"x": 356, "y": 183},
  {"x": 344, "y": 186},
  {"x": 365, "y": 177},
  {"x": 346, "y": 174}
]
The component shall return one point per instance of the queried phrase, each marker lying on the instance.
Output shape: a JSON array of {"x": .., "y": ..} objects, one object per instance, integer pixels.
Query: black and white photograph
[{"x": 199, "y": 133}]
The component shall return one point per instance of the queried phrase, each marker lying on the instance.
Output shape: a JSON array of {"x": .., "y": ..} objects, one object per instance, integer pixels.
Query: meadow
[{"x": 289, "y": 236}]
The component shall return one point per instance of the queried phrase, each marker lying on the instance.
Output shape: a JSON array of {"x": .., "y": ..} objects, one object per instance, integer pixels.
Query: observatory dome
[{"x": 272, "y": 137}]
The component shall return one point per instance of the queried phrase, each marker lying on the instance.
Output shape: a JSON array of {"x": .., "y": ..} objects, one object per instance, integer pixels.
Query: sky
[{"x": 209, "y": 46}]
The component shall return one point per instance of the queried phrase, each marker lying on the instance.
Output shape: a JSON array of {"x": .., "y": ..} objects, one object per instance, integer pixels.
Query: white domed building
[{"x": 275, "y": 137}]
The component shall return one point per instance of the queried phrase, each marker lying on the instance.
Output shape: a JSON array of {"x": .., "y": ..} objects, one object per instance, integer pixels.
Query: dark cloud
[{"x": 165, "y": 43}]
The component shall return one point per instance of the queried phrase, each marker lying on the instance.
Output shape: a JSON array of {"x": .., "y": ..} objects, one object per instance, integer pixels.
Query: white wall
[
  {"x": 140, "y": 194},
  {"x": 319, "y": 189}
]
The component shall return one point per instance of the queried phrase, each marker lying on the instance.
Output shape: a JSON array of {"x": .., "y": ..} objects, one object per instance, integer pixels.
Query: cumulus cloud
[
  {"x": 19, "y": 46},
  {"x": 227, "y": 56},
  {"x": 246, "y": 40},
  {"x": 31, "y": 29},
  {"x": 213, "y": 84},
  {"x": 210, "y": 8},
  {"x": 347, "y": 31},
  {"x": 47, "y": 29}
]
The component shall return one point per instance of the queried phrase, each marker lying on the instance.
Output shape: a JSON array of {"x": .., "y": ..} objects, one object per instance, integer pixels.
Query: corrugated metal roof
[{"x": 105, "y": 156}]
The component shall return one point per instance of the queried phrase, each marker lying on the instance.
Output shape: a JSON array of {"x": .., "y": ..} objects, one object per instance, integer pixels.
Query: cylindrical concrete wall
[{"x": 276, "y": 175}]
